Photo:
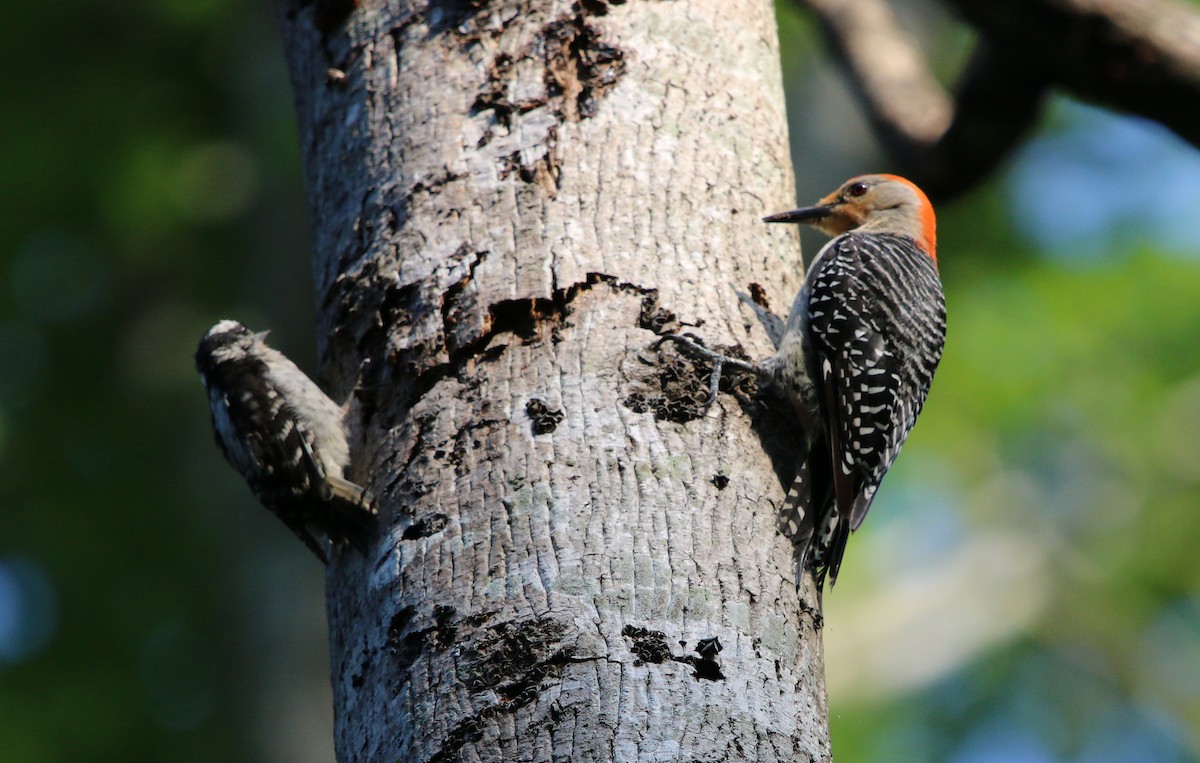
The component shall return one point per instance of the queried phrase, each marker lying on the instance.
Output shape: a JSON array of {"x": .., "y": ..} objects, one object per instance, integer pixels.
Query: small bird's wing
[
  {"x": 331, "y": 505},
  {"x": 832, "y": 531},
  {"x": 295, "y": 482},
  {"x": 260, "y": 436}
]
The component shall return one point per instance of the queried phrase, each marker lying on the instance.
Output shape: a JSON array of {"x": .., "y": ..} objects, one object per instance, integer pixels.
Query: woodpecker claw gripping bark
[
  {"x": 719, "y": 362},
  {"x": 857, "y": 358}
]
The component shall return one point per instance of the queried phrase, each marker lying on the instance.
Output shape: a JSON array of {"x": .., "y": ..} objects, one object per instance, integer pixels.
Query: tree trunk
[{"x": 509, "y": 200}]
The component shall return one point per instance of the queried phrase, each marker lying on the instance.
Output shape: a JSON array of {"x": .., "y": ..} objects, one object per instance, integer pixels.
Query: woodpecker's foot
[
  {"x": 719, "y": 362},
  {"x": 814, "y": 612}
]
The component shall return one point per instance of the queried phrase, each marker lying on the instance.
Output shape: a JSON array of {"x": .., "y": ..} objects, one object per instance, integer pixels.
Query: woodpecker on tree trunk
[
  {"x": 286, "y": 437},
  {"x": 857, "y": 357}
]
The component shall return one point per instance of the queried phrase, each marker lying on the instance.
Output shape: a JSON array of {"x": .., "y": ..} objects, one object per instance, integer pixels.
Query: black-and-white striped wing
[{"x": 878, "y": 322}]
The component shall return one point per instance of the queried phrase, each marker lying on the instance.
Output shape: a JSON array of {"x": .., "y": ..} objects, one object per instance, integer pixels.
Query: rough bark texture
[{"x": 510, "y": 199}]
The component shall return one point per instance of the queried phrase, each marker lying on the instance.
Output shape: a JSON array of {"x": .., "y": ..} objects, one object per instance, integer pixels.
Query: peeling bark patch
[
  {"x": 425, "y": 527},
  {"x": 395, "y": 305},
  {"x": 650, "y": 647},
  {"x": 677, "y": 390},
  {"x": 544, "y": 170},
  {"x": 580, "y": 66},
  {"x": 675, "y": 386},
  {"x": 512, "y": 658},
  {"x": 759, "y": 295},
  {"x": 647, "y": 645},
  {"x": 706, "y": 663},
  {"x": 577, "y": 67},
  {"x": 493, "y": 95},
  {"x": 406, "y": 646},
  {"x": 523, "y": 316},
  {"x": 527, "y": 318},
  {"x": 417, "y": 355},
  {"x": 655, "y": 317},
  {"x": 543, "y": 419}
]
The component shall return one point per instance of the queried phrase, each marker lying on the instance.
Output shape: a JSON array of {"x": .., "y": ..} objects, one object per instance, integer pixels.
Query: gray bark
[{"x": 509, "y": 200}]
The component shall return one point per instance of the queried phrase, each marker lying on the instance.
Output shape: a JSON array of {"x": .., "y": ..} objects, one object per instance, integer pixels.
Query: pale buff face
[{"x": 882, "y": 203}]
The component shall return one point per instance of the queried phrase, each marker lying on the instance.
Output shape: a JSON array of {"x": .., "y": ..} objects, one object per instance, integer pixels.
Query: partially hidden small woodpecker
[
  {"x": 857, "y": 355},
  {"x": 285, "y": 436}
]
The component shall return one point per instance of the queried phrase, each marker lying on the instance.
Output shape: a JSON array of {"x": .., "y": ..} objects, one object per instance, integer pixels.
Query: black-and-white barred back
[
  {"x": 285, "y": 437},
  {"x": 879, "y": 322}
]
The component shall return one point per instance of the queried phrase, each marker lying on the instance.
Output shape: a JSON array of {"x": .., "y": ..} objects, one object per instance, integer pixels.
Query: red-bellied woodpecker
[{"x": 858, "y": 354}]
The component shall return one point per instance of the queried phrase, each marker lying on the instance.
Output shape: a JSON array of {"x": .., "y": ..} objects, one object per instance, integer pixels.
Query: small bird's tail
[{"x": 355, "y": 519}]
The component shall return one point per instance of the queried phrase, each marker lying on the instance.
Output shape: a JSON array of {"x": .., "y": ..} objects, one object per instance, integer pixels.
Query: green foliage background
[
  {"x": 1026, "y": 589},
  {"x": 148, "y": 609}
]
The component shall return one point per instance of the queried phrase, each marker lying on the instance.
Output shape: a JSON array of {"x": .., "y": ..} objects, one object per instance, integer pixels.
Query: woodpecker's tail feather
[
  {"x": 796, "y": 517},
  {"x": 835, "y": 548},
  {"x": 809, "y": 516},
  {"x": 804, "y": 513},
  {"x": 355, "y": 517}
]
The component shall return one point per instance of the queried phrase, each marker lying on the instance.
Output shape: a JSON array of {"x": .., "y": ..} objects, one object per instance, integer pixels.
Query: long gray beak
[{"x": 802, "y": 215}]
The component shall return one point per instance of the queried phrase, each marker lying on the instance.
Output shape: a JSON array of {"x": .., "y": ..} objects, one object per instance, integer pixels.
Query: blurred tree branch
[{"x": 1137, "y": 56}]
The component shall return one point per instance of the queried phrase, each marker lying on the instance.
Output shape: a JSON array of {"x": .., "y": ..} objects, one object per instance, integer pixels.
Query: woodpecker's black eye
[{"x": 858, "y": 189}]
